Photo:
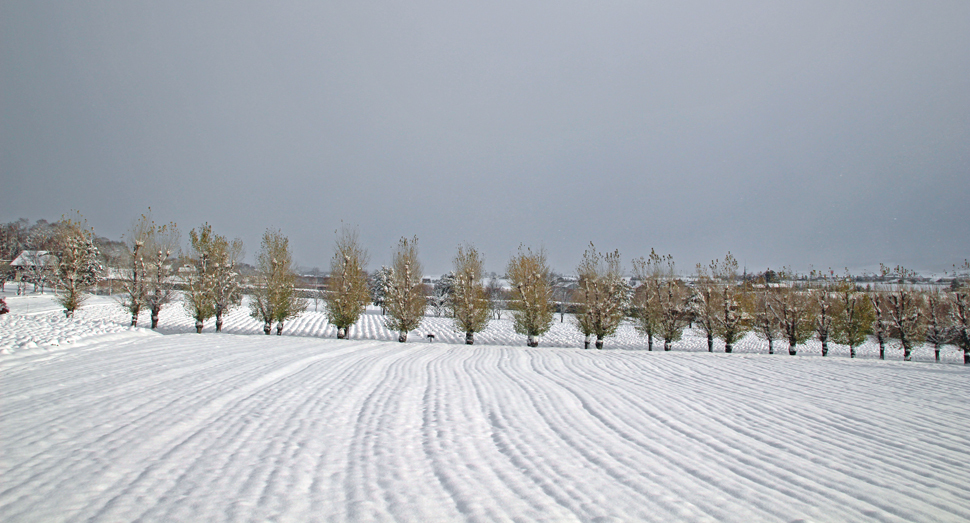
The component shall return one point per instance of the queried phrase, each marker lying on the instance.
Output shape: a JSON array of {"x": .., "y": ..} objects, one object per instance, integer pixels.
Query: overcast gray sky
[{"x": 822, "y": 133}]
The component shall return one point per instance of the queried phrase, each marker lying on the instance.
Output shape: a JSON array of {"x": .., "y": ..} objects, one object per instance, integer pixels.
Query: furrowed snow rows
[
  {"x": 22, "y": 332},
  {"x": 233, "y": 428}
]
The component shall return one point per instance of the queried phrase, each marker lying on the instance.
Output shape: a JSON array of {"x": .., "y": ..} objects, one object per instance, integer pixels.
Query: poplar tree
[
  {"x": 880, "y": 319},
  {"x": 705, "y": 304},
  {"x": 159, "y": 254},
  {"x": 794, "y": 312},
  {"x": 854, "y": 316},
  {"x": 602, "y": 295},
  {"x": 347, "y": 291},
  {"x": 645, "y": 309},
  {"x": 662, "y": 303},
  {"x": 79, "y": 265},
  {"x": 470, "y": 304},
  {"x": 905, "y": 310},
  {"x": 531, "y": 303},
  {"x": 763, "y": 320},
  {"x": 274, "y": 296},
  {"x": 824, "y": 312},
  {"x": 938, "y": 316},
  {"x": 675, "y": 306},
  {"x": 134, "y": 270},
  {"x": 226, "y": 289},
  {"x": 403, "y": 293},
  {"x": 721, "y": 303},
  {"x": 199, "y": 298}
]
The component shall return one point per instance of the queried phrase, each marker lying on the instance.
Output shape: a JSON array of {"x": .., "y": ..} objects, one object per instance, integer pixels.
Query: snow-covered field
[
  {"x": 99, "y": 422},
  {"x": 103, "y": 315}
]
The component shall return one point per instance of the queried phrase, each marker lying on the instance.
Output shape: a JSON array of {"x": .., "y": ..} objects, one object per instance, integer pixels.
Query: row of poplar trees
[
  {"x": 661, "y": 305},
  {"x": 213, "y": 286},
  {"x": 468, "y": 300},
  {"x": 719, "y": 302},
  {"x": 725, "y": 306},
  {"x": 210, "y": 274}
]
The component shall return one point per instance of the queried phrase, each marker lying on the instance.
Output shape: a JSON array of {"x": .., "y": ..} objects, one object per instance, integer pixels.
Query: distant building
[
  {"x": 32, "y": 267},
  {"x": 31, "y": 260}
]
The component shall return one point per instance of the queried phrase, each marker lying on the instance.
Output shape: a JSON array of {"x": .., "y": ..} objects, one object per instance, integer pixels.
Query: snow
[
  {"x": 119, "y": 424},
  {"x": 103, "y": 314}
]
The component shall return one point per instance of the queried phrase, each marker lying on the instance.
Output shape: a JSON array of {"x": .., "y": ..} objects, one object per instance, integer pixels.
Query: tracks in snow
[{"x": 229, "y": 428}]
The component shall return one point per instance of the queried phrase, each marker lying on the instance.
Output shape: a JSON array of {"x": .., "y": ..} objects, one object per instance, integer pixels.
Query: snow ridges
[{"x": 229, "y": 428}]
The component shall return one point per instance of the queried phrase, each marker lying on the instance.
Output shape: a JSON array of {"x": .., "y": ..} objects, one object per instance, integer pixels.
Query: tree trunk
[
  {"x": 728, "y": 348},
  {"x": 341, "y": 333},
  {"x": 791, "y": 348},
  {"x": 155, "y": 312},
  {"x": 586, "y": 343},
  {"x": 599, "y": 342},
  {"x": 825, "y": 347},
  {"x": 402, "y": 337},
  {"x": 198, "y": 327},
  {"x": 469, "y": 338},
  {"x": 219, "y": 322},
  {"x": 650, "y": 342},
  {"x": 966, "y": 356},
  {"x": 279, "y": 329},
  {"x": 936, "y": 351},
  {"x": 531, "y": 341},
  {"x": 134, "y": 318},
  {"x": 771, "y": 346},
  {"x": 852, "y": 352},
  {"x": 267, "y": 327},
  {"x": 710, "y": 342},
  {"x": 666, "y": 345},
  {"x": 882, "y": 349}
]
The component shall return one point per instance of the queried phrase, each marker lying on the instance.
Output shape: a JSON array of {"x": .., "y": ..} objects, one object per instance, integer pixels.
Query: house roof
[{"x": 31, "y": 259}]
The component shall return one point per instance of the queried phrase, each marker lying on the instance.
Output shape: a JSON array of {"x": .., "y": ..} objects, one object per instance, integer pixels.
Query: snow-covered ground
[
  {"x": 99, "y": 422},
  {"x": 102, "y": 314}
]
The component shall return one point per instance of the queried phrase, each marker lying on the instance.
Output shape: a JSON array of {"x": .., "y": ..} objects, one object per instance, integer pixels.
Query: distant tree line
[{"x": 150, "y": 268}]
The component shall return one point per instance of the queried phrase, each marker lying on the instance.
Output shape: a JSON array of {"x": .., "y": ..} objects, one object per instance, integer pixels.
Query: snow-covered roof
[{"x": 31, "y": 259}]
